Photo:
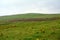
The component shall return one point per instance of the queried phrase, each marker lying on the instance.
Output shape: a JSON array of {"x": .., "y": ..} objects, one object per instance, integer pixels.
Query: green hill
[
  {"x": 28, "y": 15},
  {"x": 30, "y": 30}
]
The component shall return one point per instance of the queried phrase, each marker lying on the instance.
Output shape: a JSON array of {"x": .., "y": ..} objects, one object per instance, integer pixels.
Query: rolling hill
[
  {"x": 47, "y": 29},
  {"x": 28, "y": 15}
]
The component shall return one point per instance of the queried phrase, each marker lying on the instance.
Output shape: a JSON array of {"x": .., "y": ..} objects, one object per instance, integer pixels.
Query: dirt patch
[
  {"x": 29, "y": 19},
  {"x": 35, "y": 19}
]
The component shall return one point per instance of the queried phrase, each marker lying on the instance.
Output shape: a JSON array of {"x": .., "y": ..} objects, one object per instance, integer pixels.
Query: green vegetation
[
  {"x": 28, "y": 15},
  {"x": 30, "y": 30}
]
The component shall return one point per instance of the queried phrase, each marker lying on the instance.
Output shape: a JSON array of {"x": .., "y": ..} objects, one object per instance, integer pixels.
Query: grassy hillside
[
  {"x": 30, "y": 30},
  {"x": 29, "y": 15}
]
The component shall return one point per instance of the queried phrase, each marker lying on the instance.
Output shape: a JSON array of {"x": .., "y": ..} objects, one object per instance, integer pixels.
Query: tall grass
[{"x": 33, "y": 30}]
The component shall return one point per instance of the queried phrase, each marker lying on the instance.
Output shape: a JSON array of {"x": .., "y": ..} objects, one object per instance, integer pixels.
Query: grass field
[{"x": 30, "y": 30}]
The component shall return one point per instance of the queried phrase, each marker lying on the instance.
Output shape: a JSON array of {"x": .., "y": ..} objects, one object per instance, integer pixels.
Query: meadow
[{"x": 30, "y": 30}]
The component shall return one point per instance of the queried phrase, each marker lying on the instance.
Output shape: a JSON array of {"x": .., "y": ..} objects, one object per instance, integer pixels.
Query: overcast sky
[{"x": 8, "y": 7}]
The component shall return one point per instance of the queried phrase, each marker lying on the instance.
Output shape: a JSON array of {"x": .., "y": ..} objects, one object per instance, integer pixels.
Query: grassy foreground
[
  {"x": 31, "y": 30},
  {"x": 44, "y": 30}
]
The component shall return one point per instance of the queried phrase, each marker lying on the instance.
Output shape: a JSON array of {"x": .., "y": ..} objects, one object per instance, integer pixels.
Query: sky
[{"x": 9, "y": 7}]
